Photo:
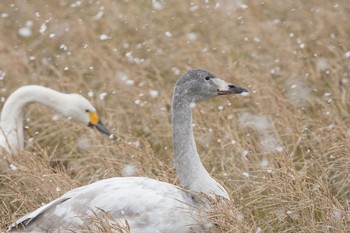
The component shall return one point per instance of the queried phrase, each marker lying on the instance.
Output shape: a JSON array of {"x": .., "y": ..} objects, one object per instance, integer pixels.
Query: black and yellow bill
[{"x": 96, "y": 122}]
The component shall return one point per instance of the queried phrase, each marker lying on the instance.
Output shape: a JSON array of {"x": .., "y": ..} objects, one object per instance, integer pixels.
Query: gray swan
[{"x": 146, "y": 204}]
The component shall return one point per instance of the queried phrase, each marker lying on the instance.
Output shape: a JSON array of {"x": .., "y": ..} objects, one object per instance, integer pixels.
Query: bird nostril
[{"x": 217, "y": 89}]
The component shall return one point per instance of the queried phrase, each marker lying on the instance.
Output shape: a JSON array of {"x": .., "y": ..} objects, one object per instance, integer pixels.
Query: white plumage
[
  {"x": 146, "y": 204},
  {"x": 71, "y": 106}
]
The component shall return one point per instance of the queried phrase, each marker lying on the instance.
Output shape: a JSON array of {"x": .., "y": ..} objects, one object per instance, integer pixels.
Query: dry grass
[
  {"x": 283, "y": 152},
  {"x": 105, "y": 222}
]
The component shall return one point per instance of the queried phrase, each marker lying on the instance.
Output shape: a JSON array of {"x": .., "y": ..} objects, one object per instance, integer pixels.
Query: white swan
[
  {"x": 72, "y": 106},
  {"x": 148, "y": 205}
]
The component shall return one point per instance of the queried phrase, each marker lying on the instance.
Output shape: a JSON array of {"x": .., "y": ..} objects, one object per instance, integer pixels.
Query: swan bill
[
  {"x": 100, "y": 127},
  {"x": 232, "y": 89},
  {"x": 93, "y": 118}
]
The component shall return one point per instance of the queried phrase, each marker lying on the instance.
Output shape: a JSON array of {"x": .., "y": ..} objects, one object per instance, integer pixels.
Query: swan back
[{"x": 148, "y": 205}]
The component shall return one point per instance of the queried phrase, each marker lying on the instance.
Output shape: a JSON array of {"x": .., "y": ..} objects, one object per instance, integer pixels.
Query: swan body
[
  {"x": 71, "y": 106},
  {"x": 147, "y": 205}
]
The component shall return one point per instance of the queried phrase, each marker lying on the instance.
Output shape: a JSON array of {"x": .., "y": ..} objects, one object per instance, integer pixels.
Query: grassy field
[{"x": 282, "y": 152}]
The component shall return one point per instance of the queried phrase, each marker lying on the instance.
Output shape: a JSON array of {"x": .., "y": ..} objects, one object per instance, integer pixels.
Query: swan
[
  {"x": 72, "y": 106},
  {"x": 146, "y": 204}
]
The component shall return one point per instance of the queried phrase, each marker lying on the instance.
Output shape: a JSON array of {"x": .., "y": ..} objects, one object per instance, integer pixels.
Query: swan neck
[
  {"x": 11, "y": 121},
  {"x": 189, "y": 167}
]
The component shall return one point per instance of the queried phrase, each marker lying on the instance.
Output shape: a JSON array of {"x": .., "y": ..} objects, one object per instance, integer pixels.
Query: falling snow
[
  {"x": 124, "y": 78},
  {"x": 13, "y": 167},
  {"x": 298, "y": 93},
  {"x": 264, "y": 163},
  {"x": 270, "y": 143},
  {"x": 99, "y": 14},
  {"x": 129, "y": 170},
  {"x": 133, "y": 59},
  {"x": 245, "y": 154},
  {"x": 175, "y": 70},
  {"x": 63, "y": 47},
  {"x": 194, "y": 8},
  {"x": 76, "y": 4},
  {"x": 30, "y": 142},
  {"x": 129, "y": 82},
  {"x": 56, "y": 117},
  {"x": 217, "y": 5},
  {"x": 42, "y": 28},
  {"x": 244, "y": 93},
  {"x": 84, "y": 143},
  {"x": 157, "y": 5},
  {"x": 167, "y": 34},
  {"x": 257, "y": 40},
  {"x": 4, "y": 15},
  {"x": 293, "y": 214},
  {"x": 264, "y": 126},
  {"x": 2, "y": 75},
  {"x": 302, "y": 45},
  {"x": 347, "y": 134},
  {"x": 192, "y": 36},
  {"x": 275, "y": 70},
  {"x": 104, "y": 37},
  {"x": 241, "y": 5},
  {"x": 25, "y": 32},
  {"x": 260, "y": 123},
  {"x": 322, "y": 64},
  {"x": 154, "y": 93},
  {"x": 103, "y": 95},
  {"x": 91, "y": 93},
  {"x": 337, "y": 214}
]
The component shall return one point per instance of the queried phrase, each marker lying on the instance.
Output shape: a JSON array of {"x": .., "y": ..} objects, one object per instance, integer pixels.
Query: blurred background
[{"x": 282, "y": 152}]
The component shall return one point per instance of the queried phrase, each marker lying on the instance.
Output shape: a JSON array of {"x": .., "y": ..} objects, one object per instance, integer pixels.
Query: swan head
[
  {"x": 81, "y": 110},
  {"x": 199, "y": 85}
]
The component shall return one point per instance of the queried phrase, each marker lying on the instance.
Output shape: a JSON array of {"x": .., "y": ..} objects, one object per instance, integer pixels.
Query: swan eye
[
  {"x": 207, "y": 78},
  {"x": 87, "y": 110}
]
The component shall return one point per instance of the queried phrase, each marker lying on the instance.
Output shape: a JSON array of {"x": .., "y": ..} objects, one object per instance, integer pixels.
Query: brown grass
[{"x": 288, "y": 170}]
